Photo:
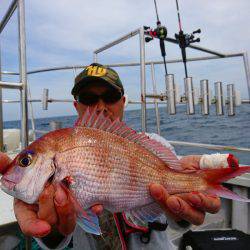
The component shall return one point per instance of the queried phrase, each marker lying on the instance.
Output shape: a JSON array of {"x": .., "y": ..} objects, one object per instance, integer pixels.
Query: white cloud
[{"x": 65, "y": 32}]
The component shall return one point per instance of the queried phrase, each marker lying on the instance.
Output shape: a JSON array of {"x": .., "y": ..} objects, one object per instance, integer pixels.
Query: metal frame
[
  {"x": 142, "y": 64},
  {"x": 213, "y": 52},
  {"x": 22, "y": 85},
  {"x": 1, "y": 108},
  {"x": 8, "y": 15},
  {"x": 155, "y": 100},
  {"x": 151, "y": 63},
  {"x": 141, "y": 33}
]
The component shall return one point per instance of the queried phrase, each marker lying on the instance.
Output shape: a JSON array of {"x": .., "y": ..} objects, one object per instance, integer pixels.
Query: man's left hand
[{"x": 191, "y": 207}]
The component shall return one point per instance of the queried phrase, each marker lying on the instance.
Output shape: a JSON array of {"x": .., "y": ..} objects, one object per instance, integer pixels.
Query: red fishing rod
[{"x": 184, "y": 40}]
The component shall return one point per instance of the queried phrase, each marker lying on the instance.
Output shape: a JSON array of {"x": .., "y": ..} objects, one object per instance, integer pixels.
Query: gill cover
[{"x": 27, "y": 175}]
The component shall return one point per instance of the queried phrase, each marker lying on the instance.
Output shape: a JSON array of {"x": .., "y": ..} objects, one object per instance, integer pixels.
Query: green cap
[{"x": 97, "y": 73}]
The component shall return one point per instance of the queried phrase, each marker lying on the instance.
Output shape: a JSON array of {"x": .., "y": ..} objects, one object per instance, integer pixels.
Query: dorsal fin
[{"x": 92, "y": 119}]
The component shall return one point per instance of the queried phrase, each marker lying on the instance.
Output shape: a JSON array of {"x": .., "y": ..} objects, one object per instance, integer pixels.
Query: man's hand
[
  {"x": 54, "y": 211},
  {"x": 4, "y": 162},
  {"x": 188, "y": 206}
]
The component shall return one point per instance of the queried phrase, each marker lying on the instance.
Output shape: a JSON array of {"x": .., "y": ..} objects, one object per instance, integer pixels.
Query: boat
[{"x": 12, "y": 141}]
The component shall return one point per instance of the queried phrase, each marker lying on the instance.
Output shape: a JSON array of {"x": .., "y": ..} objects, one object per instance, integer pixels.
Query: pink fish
[{"x": 100, "y": 161}]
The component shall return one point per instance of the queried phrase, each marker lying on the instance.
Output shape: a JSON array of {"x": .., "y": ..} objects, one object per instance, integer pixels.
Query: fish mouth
[
  {"x": 7, "y": 183},
  {"x": 51, "y": 178}
]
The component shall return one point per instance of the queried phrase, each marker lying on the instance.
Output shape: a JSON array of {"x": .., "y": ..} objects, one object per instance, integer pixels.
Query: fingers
[
  {"x": 65, "y": 211},
  {"x": 206, "y": 203},
  {"x": 190, "y": 162},
  {"x": 27, "y": 219},
  {"x": 97, "y": 209},
  {"x": 185, "y": 211},
  {"x": 194, "y": 205},
  {"x": 47, "y": 209},
  {"x": 4, "y": 162},
  {"x": 55, "y": 208},
  {"x": 160, "y": 194},
  {"x": 176, "y": 207}
]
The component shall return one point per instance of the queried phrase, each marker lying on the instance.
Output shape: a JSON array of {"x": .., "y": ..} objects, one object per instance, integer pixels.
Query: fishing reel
[
  {"x": 185, "y": 40},
  {"x": 159, "y": 32}
]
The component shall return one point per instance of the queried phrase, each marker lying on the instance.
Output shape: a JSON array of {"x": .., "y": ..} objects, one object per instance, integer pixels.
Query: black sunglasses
[{"x": 108, "y": 97}]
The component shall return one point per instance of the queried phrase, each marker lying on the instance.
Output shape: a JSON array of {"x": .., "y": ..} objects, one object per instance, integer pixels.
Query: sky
[{"x": 66, "y": 32}]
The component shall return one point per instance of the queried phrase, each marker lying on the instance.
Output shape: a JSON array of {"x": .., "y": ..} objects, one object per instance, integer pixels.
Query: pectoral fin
[
  {"x": 89, "y": 222},
  {"x": 86, "y": 219},
  {"x": 142, "y": 215}
]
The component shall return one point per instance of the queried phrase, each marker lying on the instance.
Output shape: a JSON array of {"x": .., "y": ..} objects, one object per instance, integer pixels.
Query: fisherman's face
[{"x": 94, "y": 96}]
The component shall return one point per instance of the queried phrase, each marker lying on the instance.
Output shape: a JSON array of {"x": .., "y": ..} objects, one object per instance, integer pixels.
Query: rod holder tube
[
  {"x": 231, "y": 99},
  {"x": 204, "y": 84},
  {"x": 219, "y": 98},
  {"x": 189, "y": 93},
  {"x": 237, "y": 99},
  {"x": 171, "y": 101},
  {"x": 45, "y": 99}
]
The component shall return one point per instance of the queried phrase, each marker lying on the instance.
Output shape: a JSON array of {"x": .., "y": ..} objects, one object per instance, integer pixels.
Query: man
[{"x": 54, "y": 216}]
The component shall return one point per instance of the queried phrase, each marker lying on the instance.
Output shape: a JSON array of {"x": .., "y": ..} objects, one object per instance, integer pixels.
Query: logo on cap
[{"x": 96, "y": 71}]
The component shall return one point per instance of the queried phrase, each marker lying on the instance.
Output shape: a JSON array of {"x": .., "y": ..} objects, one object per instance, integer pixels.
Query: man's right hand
[
  {"x": 54, "y": 210},
  {"x": 4, "y": 162}
]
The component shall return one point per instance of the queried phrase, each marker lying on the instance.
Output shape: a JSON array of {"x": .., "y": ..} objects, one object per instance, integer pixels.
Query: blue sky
[{"x": 67, "y": 32}]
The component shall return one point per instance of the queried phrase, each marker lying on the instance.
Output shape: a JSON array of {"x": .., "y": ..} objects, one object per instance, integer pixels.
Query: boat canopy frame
[{"x": 22, "y": 84}]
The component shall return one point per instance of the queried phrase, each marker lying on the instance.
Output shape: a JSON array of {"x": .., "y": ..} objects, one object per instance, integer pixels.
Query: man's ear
[
  {"x": 75, "y": 104},
  {"x": 125, "y": 100}
]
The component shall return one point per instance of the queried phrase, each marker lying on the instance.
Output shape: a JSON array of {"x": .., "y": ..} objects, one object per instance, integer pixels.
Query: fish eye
[{"x": 25, "y": 161}]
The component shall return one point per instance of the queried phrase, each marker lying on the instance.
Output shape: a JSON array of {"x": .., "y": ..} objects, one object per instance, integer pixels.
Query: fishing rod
[
  {"x": 159, "y": 32},
  {"x": 184, "y": 40}
]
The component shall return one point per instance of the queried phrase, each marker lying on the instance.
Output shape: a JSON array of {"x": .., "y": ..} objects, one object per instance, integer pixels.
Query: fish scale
[
  {"x": 110, "y": 165},
  {"x": 141, "y": 166}
]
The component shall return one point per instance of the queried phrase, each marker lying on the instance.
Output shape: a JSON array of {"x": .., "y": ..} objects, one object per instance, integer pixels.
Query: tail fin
[
  {"x": 215, "y": 176},
  {"x": 225, "y": 193}
]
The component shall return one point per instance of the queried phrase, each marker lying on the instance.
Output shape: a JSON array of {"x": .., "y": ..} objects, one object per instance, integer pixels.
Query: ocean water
[{"x": 211, "y": 129}]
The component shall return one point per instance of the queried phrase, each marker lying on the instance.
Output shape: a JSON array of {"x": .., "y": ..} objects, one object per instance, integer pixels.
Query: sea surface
[{"x": 211, "y": 129}]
